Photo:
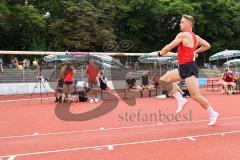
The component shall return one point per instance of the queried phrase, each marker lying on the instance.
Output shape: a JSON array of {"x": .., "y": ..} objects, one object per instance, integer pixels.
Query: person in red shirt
[
  {"x": 68, "y": 74},
  {"x": 228, "y": 80},
  {"x": 187, "y": 43},
  {"x": 92, "y": 72}
]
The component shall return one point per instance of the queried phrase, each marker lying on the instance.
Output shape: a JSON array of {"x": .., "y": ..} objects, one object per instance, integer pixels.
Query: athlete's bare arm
[
  {"x": 179, "y": 38},
  {"x": 204, "y": 45},
  {"x": 172, "y": 54}
]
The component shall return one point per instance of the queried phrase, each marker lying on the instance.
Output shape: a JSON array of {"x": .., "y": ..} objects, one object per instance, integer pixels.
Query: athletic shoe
[
  {"x": 56, "y": 100},
  {"x": 60, "y": 99},
  {"x": 181, "y": 105},
  {"x": 213, "y": 119},
  {"x": 91, "y": 100},
  {"x": 95, "y": 100},
  {"x": 141, "y": 94}
]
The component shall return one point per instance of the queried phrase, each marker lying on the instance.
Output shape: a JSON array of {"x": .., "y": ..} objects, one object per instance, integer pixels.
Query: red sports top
[
  {"x": 228, "y": 77},
  {"x": 92, "y": 72},
  {"x": 186, "y": 54},
  {"x": 68, "y": 76}
]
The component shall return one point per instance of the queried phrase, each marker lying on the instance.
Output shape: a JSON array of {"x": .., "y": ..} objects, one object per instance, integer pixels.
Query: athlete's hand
[{"x": 196, "y": 55}]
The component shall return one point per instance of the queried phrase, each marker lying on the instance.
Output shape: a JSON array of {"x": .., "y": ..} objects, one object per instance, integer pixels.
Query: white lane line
[
  {"x": 222, "y": 134},
  {"x": 17, "y": 100},
  {"x": 12, "y": 157},
  {"x": 179, "y": 139},
  {"x": 110, "y": 147},
  {"x": 109, "y": 129},
  {"x": 191, "y": 138},
  {"x": 36, "y": 133},
  {"x": 98, "y": 149},
  {"x": 121, "y": 144}
]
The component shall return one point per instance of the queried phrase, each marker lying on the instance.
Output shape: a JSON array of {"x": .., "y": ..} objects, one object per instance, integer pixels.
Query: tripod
[{"x": 41, "y": 85}]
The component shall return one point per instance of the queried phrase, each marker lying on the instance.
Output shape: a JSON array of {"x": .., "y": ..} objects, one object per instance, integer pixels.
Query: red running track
[{"x": 32, "y": 131}]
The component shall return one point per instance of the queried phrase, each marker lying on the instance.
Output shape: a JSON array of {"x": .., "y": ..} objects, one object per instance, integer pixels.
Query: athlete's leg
[
  {"x": 171, "y": 77},
  {"x": 168, "y": 83},
  {"x": 234, "y": 86},
  {"x": 193, "y": 87},
  {"x": 225, "y": 86}
]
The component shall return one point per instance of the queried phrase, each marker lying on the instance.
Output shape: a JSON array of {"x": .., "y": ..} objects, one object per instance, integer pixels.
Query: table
[{"x": 214, "y": 84}]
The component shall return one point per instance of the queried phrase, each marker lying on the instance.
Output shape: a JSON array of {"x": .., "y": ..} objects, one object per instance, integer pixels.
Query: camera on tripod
[
  {"x": 40, "y": 86},
  {"x": 39, "y": 74}
]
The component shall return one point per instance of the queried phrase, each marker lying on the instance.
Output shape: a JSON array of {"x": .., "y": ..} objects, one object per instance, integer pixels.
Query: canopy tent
[
  {"x": 232, "y": 63},
  {"x": 83, "y": 57},
  {"x": 225, "y": 55},
  {"x": 53, "y": 58},
  {"x": 107, "y": 61},
  {"x": 64, "y": 53},
  {"x": 153, "y": 59}
]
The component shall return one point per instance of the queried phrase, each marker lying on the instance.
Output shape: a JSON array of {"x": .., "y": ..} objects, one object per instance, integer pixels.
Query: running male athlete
[{"x": 187, "y": 43}]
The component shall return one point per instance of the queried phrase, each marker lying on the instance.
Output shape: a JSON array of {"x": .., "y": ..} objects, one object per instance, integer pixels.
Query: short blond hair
[{"x": 190, "y": 18}]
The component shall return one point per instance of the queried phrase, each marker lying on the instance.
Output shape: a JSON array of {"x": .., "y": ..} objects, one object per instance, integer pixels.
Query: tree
[
  {"x": 24, "y": 26},
  {"x": 86, "y": 25},
  {"x": 150, "y": 24}
]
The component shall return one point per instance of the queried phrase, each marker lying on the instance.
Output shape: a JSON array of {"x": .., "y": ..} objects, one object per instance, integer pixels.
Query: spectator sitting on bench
[
  {"x": 59, "y": 90},
  {"x": 26, "y": 64},
  {"x": 102, "y": 82},
  {"x": 228, "y": 80},
  {"x": 155, "y": 81},
  {"x": 130, "y": 82},
  {"x": 145, "y": 85},
  {"x": 237, "y": 81},
  {"x": 1, "y": 65},
  {"x": 83, "y": 97},
  {"x": 14, "y": 63}
]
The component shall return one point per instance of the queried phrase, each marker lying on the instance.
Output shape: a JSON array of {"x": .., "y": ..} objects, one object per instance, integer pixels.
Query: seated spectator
[
  {"x": 130, "y": 82},
  {"x": 228, "y": 80},
  {"x": 1, "y": 65},
  {"x": 83, "y": 95},
  {"x": 84, "y": 90},
  {"x": 35, "y": 63},
  {"x": 155, "y": 81},
  {"x": 130, "y": 86},
  {"x": 59, "y": 90},
  {"x": 26, "y": 64},
  {"x": 136, "y": 66},
  {"x": 102, "y": 81},
  {"x": 14, "y": 63},
  {"x": 236, "y": 74},
  {"x": 145, "y": 85}
]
